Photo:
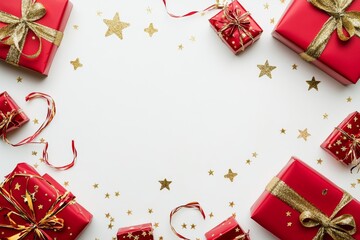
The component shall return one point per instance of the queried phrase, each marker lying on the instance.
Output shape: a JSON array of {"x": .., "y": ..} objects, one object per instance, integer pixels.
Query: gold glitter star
[
  {"x": 265, "y": 69},
  {"x": 35, "y": 121},
  {"x": 129, "y": 212},
  {"x": 117, "y": 194},
  {"x": 42, "y": 140},
  {"x": 211, "y": 215},
  {"x": 36, "y": 165},
  {"x": 319, "y": 161},
  {"x": 148, "y": 10},
  {"x": 294, "y": 66},
  {"x": 66, "y": 183},
  {"x": 184, "y": 226},
  {"x": 40, "y": 207},
  {"x": 193, "y": 226},
  {"x": 349, "y": 99},
  {"x": 115, "y": 26},
  {"x": 110, "y": 226},
  {"x": 150, "y": 211},
  {"x": 325, "y": 116},
  {"x": 150, "y": 30},
  {"x": 283, "y": 131},
  {"x": 76, "y": 27},
  {"x": 180, "y": 47},
  {"x": 17, "y": 186},
  {"x": 288, "y": 214},
  {"x": 211, "y": 172},
  {"x": 266, "y": 6},
  {"x": 254, "y": 154},
  {"x": 230, "y": 175},
  {"x": 192, "y": 38},
  {"x": 272, "y": 20},
  {"x": 353, "y": 185},
  {"x": 231, "y": 204},
  {"x": 99, "y": 13},
  {"x": 107, "y": 215},
  {"x": 34, "y": 153},
  {"x": 165, "y": 184},
  {"x": 95, "y": 185},
  {"x": 156, "y": 225},
  {"x": 313, "y": 84},
  {"x": 19, "y": 79},
  {"x": 234, "y": 215},
  {"x": 107, "y": 195},
  {"x": 248, "y": 161},
  {"x": 76, "y": 63},
  {"x": 304, "y": 134}
]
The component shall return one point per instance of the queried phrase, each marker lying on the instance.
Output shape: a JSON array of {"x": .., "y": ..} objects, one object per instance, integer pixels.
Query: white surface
[{"x": 141, "y": 110}]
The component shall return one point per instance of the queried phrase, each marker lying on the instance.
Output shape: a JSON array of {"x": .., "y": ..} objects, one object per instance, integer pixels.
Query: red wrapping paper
[
  {"x": 297, "y": 29},
  {"x": 227, "y": 230},
  {"x": 7, "y": 105},
  {"x": 232, "y": 38},
  {"x": 138, "y": 232},
  {"x": 338, "y": 145},
  {"x": 57, "y": 15},
  {"x": 276, "y": 216},
  {"x": 43, "y": 191}
]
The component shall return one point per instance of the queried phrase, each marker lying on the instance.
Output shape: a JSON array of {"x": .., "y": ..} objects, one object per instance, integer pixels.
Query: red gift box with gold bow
[
  {"x": 138, "y": 232},
  {"x": 37, "y": 207},
  {"x": 236, "y": 27},
  {"x": 301, "y": 204},
  {"x": 11, "y": 116},
  {"x": 325, "y": 33},
  {"x": 31, "y": 31},
  {"x": 227, "y": 230}
]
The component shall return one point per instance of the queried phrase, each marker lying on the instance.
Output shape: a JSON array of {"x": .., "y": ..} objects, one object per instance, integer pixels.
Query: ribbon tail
[{"x": 13, "y": 56}]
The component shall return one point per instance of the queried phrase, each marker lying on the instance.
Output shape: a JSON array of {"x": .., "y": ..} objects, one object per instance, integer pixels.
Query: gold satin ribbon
[
  {"x": 48, "y": 222},
  {"x": 14, "y": 34},
  {"x": 354, "y": 148},
  {"x": 339, "y": 20},
  {"x": 338, "y": 228},
  {"x": 7, "y": 119},
  {"x": 236, "y": 20}
]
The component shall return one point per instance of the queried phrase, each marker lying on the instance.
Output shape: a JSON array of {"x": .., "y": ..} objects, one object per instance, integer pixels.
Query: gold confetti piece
[
  {"x": 265, "y": 69},
  {"x": 110, "y": 226},
  {"x": 99, "y": 13},
  {"x": 349, "y": 99},
  {"x": 156, "y": 225},
  {"x": 211, "y": 215},
  {"x": 211, "y": 172},
  {"x": 192, "y": 38},
  {"x": 115, "y": 26},
  {"x": 107, "y": 215},
  {"x": 150, "y": 30},
  {"x": 76, "y": 27},
  {"x": 358, "y": 181},
  {"x": 95, "y": 185},
  {"x": 248, "y": 161},
  {"x": 313, "y": 84},
  {"x": 180, "y": 47},
  {"x": 117, "y": 194},
  {"x": 34, "y": 153},
  {"x": 319, "y": 161},
  {"x": 150, "y": 211},
  {"x": 165, "y": 184},
  {"x": 66, "y": 183},
  {"x": 353, "y": 185},
  {"x": 184, "y": 226},
  {"x": 266, "y": 6},
  {"x": 272, "y": 20},
  {"x": 283, "y": 131},
  {"x": 325, "y": 116},
  {"x": 254, "y": 154},
  {"x": 148, "y": 10},
  {"x": 230, "y": 175},
  {"x": 304, "y": 134},
  {"x": 19, "y": 79},
  {"x": 42, "y": 140},
  {"x": 36, "y": 165},
  {"x": 40, "y": 207},
  {"x": 294, "y": 66},
  {"x": 107, "y": 195},
  {"x": 129, "y": 212},
  {"x": 193, "y": 226},
  {"x": 231, "y": 204},
  {"x": 35, "y": 121},
  {"x": 234, "y": 215},
  {"x": 76, "y": 63}
]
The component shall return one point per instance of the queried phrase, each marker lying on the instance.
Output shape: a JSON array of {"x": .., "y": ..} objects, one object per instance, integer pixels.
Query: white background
[{"x": 141, "y": 110}]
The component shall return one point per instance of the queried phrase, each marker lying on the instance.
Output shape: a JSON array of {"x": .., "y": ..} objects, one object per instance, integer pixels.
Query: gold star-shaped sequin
[
  {"x": 115, "y": 26},
  {"x": 313, "y": 84},
  {"x": 192, "y": 38},
  {"x": 353, "y": 185},
  {"x": 129, "y": 212},
  {"x": 254, "y": 154},
  {"x": 211, "y": 172},
  {"x": 107, "y": 195},
  {"x": 211, "y": 215},
  {"x": 165, "y": 184},
  {"x": 76, "y": 27},
  {"x": 95, "y": 185},
  {"x": 266, "y": 6},
  {"x": 148, "y": 10},
  {"x": 66, "y": 183},
  {"x": 19, "y": 79},
  {"x": 230, "y": 175},
  {"x": 304, "y": 134},
  {"x": 150, "y": 30},
  {"x": 248, "y": 161},
  {"x": 319, "y": 161},
  {"x": 180, "y": 47},
  {"x": 110, "y": 226},
  {"x": 117, "y": 194},
  {"x": 192, "y": 226},
  {"x": 34, "y": 153},
  {"x": 231, "y": 204},
  {"x": 283, "y": 131},
  {"x": 266, "y": 69},
  {"x": 76, "y": 63},
  {"x": 294, "y": 66},
  {"x": 272, "y": 20},
  {"x": 349, "y": 99},
  {"x": 156, "y": 225},
  {"x": 150, "y": 210},
  {"x": 35, "y": 121},
  {"x": 325, "y": 116},
  {"x": 184, "y": 226}
]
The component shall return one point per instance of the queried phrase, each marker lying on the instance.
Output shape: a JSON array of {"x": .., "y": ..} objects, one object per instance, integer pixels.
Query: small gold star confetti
[
  {"x": 272, "y": 20},
  {"x": 304, "y": 134},
  {"x": 319, "y": 161},
  {"x": 115, "y": 26},
  {"x": 230, "y": 175},
  {"x": 156, "y": 225},
  {"x": 349, "y": 99},
  {"x": 36, "y": 165},
  {"x": 117, "y": 194},
  {"x": 76, "y": 27},
  {"x": 184, "y": 226},
  {"x": 19, "y": 79},
  {"x": 99, "y": 13},
  {"x": 76, "y": 63},
  {"x": 42, "y": 140},
  {"x": 192, "y": 38},
  {"x": 288, "y": 214},
  {"x": 211, "y": 215},
  {"x": 248, "y": 161},
  {"x": 265, "y": 69},
  {"x": 313, "y": 84},
  {"x": 40, "y": 207},
  {"x": 150, "y": 211},
  {"x": 95, "y": 185},
  {"x": 211, "y": 172},
  {"x": 66, "y": 183},
  {"x": 110, "y": 226},
  {"x": 17, "y": 186},
  {"x": 150, "y": 30},
  {"x": 34, "y": 153},
  {"x": 129, "y": 212},
  {"x": 35, "y": 121},
  {"x": 254, "y": 154},
  {"x": 148, "y": 10},
  {"x": 289, "y": 224},
  {"x": 180, "y": 47},
  {"x": 165, "y": 184},
  {"x": 234, "y": 215},
  {"x": 231, "y": 204},
  {"x": 294, "y": 66},
  {"x": 325, "y": 116},
  {"x": 193, "y": 226},
  {"x": 107, "y": 215},
  {"x": 283, "y": 131},
  {"x": 107, "y": 195},
  {"x": 266, "y": 6},
  {"x": 353, "y": 185}
]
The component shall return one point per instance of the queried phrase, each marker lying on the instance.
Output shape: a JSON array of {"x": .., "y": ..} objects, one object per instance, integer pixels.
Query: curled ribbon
[
  {"x": 194, "y": 205},
  {"x": 48, "y": 222},
  {"x": 354, "y": 151},
  {"x": 338, "y": 228},
  {"x": 339, "y": 20},
  {"x": 217, "y": 5},
  {"x": 14, "y": 34},
  {"x": 7, "y": 119},
  {"x": 235, "y": 20},
  {"x": 49, "y": 117}
]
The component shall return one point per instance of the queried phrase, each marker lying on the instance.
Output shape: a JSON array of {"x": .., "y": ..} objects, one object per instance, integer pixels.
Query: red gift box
[
  {"x": 344, "y": 142},
  {"x": 37, "y": 207},
  {"x": 11, "y": 116},
  {"x": 301, "y": 204},
  {"x": 236, "y": 27},
  {"x": 227, "y": 230},
  {"x": 55, "y": 19},
  {"x": 300, "y": 25},
  {"x": 138, "y": 232}
]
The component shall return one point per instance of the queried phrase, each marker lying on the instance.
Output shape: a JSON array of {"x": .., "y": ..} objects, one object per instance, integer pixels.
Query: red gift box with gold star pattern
[
  {"x": 236, "y": 27},
  {"x": 320, "y": 32},
  {"x": 39, "y": 28},
  {"x": 227, "y": 230},
  {"x": 344, "y": 142},
  {"x": 301, "y": 204},
  {"x": 37, "y": 207},
  {"x": 138, "y": 232},
  {"x": 11, "y": 116}
]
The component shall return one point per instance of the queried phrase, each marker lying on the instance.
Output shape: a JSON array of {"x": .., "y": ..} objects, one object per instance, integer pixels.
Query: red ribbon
[
  {"x": 217, "y": 5},
  {"x": 194, "y": 205},
  {"x": 49, "y": 117}
]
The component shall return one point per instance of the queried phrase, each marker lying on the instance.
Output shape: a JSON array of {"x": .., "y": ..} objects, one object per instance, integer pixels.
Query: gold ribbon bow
[
  {"x": 338, "y": 228},
  {"x": 236, "y": 21},
  {"x": 48, "y": 222},
  {"x": 14, "y": 34},
  {"x": 354, "y": 151},
  {"x": 7, "y": 119},
  {"x": 339, "y": 20}
]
